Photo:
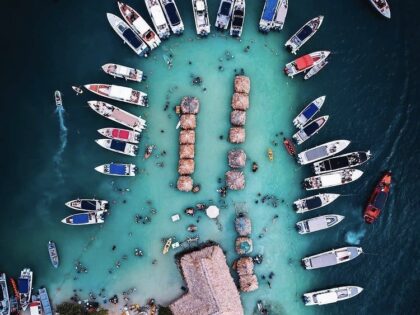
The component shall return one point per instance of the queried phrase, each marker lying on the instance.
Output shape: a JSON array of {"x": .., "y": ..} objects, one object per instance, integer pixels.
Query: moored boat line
[
  {"x": 4, "y": 296},
  {"x": 120, "y": 134},
  {"x": 124, "y": 72},
  {"x": 173, "y": 17},
  {"x": 308, "y": 30},
  {"x": 87, "y": 204},
  {"x": 318, "y": 223},
  {"x": 158, "y": 18},
  {"x": 117, "y": 169},
  {"x": 332, "y": 179},
  {"x": 340, "y": 162},
  {"x": 25, "y": 288},
  {"x": 332, "y": 295},
  {"x": 382, "y": 7},
  {"x": 119, "y": 93},
  {"x": 314, "y": 202},
  {"x": 238, "y": 18},
  {"x": 310, "y": 129},
  {"x": 118, "y": 146},
  {"x": 224, "y": 14},
  {"x": 52, "y": 251},
  {"x": 322, "y": 151},
  {"x": 309, "y": 112},
  {"x": 281, "y": 13},
  {"x": 201, "y": 17},
  {"x": 378, "y": 198},
  {"x": 86, "y": 218},
  {"x": 332, "y": 257},
  {"x": 305, "y": 63}
]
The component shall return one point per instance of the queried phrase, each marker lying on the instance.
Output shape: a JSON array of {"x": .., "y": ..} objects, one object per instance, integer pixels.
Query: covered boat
[
  {"x": 86, "y": 218},
  {"x": 332, "y": 257},
  {"x": 304, "y": 34},
  {"x": 281, "y": 13},
  {"x": 201, "y": 17},
  {"x": 52, "y": 251},
  {"x": 238, "y": 18},
  {"x": 58, "y": 99},
  {"x": 45, "y": 301},
  {"x": 118, "y": 115},
  {"x": 318, "y": 223},
  {"x": 378, "y": 198},
  {"x": 315, "y": 69},
  {"x": 305, "y": 63},
  {"x": 332, "y": 295},
  {"x": 341, "y": 162},
  {"x": 223, "y": 14},
  {"x": 172, "y": 16},
  {"x": 139, "y": 25},
  {"x": 158, "y": 18},
  {"x": 119, "y": 93},
  {"x": 87, "y": 204},
  {"x": 332, "y": 179},
  {"x": 123, "y": 72},
  {"x": 267, "y": 15},
  {"x": 25, "y": 288},
  {"x": 382, "y": 7},
  {"x": 309, "y": 112},
  {"x": 322, "y": 151},
  {"x": 120, "y": 134},
  {"x": 4, "y": 296},
  {"x": 310, "y": 129},
  {"x": 118, "y": 146},
  {"x": 117, "y": 169},
  {"x": 128, "y": 35},
  {"x": 314, "y": 202}
]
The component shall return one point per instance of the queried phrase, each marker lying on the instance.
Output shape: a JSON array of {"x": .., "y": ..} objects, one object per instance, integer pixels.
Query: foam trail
[
  {"x": 355, "y": 237},
  {"x": 63, "y": 140}
]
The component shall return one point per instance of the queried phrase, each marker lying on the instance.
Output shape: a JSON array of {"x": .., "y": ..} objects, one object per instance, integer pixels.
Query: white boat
[
  {"x": 35, "y": 308},
  {"x": 58, "y": 99},
  {"x": 4, "y": 296},
  {"x": 224, "y": 14},
  {"x": 25, "y": 288},
  {"x": 332, "y": 257},
  {"x": 281, "y": 13},
  {"x": 341, "y": 162},
  {"x": 322, "y": 151},
  {"x": 238, "y": 18},
  {"x": 268, "y": 15},
  {"x": 310, "y": 129},
  {"x": 77, "y": 89},
  {"x": 119, "y": 93},
  {"x": 309, "y": 112},
  {"x": 120, "y": 134},
  {"x": 314, "y": 70},
  {"x": 139, "y": 25},
  {"x": 332, "y": 179},
  {"x": 86, "y": 218},
  {"x": 127, "y": 73},
  {"x": 87, "y": 204},
  {"x": 118, "y": 115},
  {"x": 118, "y": 146},
  {"x": 305, "y": 63},
  {"x": 314, "y": 202},
  {"x": 382, "y": 7},
  {"x": 332, "y": 295},
  {"x": 172, "y": 16},
  {"x": 201, "y": 17},
  {"x": 158, "y": 18},
  {"x": 318, "y": 223},
  {"x": 304, "y": 34},
  {"x": 128, "y": 35},
  {"x": 117, "y": 169}
]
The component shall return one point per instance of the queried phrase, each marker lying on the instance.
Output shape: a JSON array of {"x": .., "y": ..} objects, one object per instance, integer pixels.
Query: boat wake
[
  {"x": 57, "y": 158},
  {"x": 355, "y": 237}
]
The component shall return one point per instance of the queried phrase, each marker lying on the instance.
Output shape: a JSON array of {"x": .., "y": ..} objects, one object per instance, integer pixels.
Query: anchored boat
[
  {"x": 314, "y": 202},
  {"x": 341, "y": 162},
  {"x": 318, "y": 223},
  {"x": 58, "y": 99},
  {"x": 315, "y": 69},
  {"x": 305, "y": 62},
  {"x": 288, "y": 144},
  {"x": 378, "y": 198},
  {"x": 148, "y": 152},
  {"x": 382, "y": 7},
  {"x": 120, "y": 134},
  {"x": 172, "y": 16},
  {"x": 25, "y": 288},
  {"x": 117, "y": 169},
  {"x": 322, "y": 151},
  {"x": 123, "y": 72},
  {"x": 223, "y": 14},
  {"x": 304, "y": 34},
  {"x": 201, "y": 17},
  {"x": 267, "y": 15},
  {"x": 87, "y": 204},
  {"x": 86, "y": 218},
  {"x": 52, "y": 251},
  {"x": 167, "y": 246},
  {"x": 45, "y": 301},
  {"x": 119, "y": 93},
  {"x": 281, "y": 13},
  {"x": 332, "y": 179},
  {"x": 310, "y": 129},
  {"x": 158, "y": 18},
  {"x": 309, "y": 112},
  {"x": 118, "y": 146},
  {"x": 332, "y": 257},
  {"x": 4, "y": 296},
  {"x": 77, "y": 89},
  {"x": 238, "y": 18},
  {"x": 332, "y": 295}
]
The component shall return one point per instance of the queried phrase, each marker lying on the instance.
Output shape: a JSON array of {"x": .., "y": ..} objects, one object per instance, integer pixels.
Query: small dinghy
[
  {"x": 87, "y": 204},
  {"x": 167, "y": 246},
  {"x": 310, "y": 129},
  {"x": 309, "y": 112},
  {"x": 318, "y": 223},
  {"x": 86, "y": 218},
  {"x": 314, "y": 202},
  {"x": 223, "y": 14},
  {"x": 52, "y": 251},
  {"x": 149, "y": 150},
  {"x": 118, "y": 146},
  {"x": 117, "y": 169},
  {"x": 288, "y": 144},
  {"x": 77, "y": 89},
  {"x": 120, "y": 134}
]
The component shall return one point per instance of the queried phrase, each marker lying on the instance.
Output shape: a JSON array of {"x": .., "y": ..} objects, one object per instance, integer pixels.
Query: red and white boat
[
  {"x": 119, "y": 93},
  {"x": 306, "y": 62},
  {"x": 120, "y": 134},
  {"x": 123, "y": 72}
]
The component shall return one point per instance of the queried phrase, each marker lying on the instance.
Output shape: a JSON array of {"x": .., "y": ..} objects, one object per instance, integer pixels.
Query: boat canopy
[
  {"x": 200, "y": 5},
  {"x": 157, "y": 14},
  {"x": 123, "y": 70},
  {"x": 225, "y": 8},
  {"x": 324, "y": 260},
  {"x": 328, "y": 297},
  {"x": 122, "y": 134},
  {"x": 310, "y": 110},
  {"x": 312, "y": 127},
  {"x": 23, "y": 285},
  {"x": 132, "y": 38},
  {"x": 88, "y": 205},
  {"x": 130, "y": 120},
  {"x": 237, "y": 19},
  {"x": 118, "y": 145},
  {"x": 305, "y": 32},
  {"x": 330, "y": 179},
  {"x": 313, "y": 203},
  {"x": 172, "y": 13},
  {"x": 304, "y": 62},
  {"x": 336, "y": 163},
  {"x": 316, "y": 153},
  {"x": 380, "y": 200},
  {"x": 81, "y": 218},
  {"x": 118, "y": 169},
  {"x": 120, "y": 92},
  {"x": 269, "y": 10},
  {"x": 316, "y": 224}
]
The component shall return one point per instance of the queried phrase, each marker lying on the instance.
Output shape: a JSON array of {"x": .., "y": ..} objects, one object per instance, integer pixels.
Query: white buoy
[{"x": 212, "y": 212}]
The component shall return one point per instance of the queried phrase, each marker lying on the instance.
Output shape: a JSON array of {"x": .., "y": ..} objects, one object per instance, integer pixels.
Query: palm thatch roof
[
  {"x": 243, "y": 225},
  {"x": 240, "y": 101},
  {"x": 243, "y": 245},
  {"x": 242, "y": 84},
  {"x": 236, "y": 158},
  {"x": 235, "y": 180},
  {"x": 248, "y": 283},
  {"x": 188, "y": 121},
  {"x": 186, "y": 151},
  {"x": 187, "y": 137},
  {"x": 190, "y": 105},
  {"x": 238, "y": 117},
  {"x": 211, "y": 290},
  {"x": 185, "y": 183},
  {"x": 237, "y": 135},
  {"x": 245, "y": 266},
  {"x": 186, "y": 166}
]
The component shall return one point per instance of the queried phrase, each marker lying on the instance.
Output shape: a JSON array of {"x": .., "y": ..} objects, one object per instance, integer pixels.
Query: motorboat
[
  {"x": 118, "y": 146},
  {"x": 86, "y": 218},
  {"x": 52, "y": 251},
  {"x": 268, "y": 15},
  {"x": 322, "y": 151},
  {"x": 238, "y": 18},
  {"x": 310, "y": 129},
  {"x": 304, "y": 34},
  {"x": 77, "y": 89},
  {"x": 87, "y": 204},
  {"x": 309, "y": 112},
  {"x": 378, "y": 198},
  {"x": 341, "y": 162},
  {"x": 332, "y": 295},
  {"x": 148, "y": 152},
  {"x": 119, "y": 93},
  {"x": 281, "y": 13},
  {"x": 127, "y": 73},
  {"x": 58, "y": 99},
  {"x": 318, "y": 223},
  {"x": 117, "y": 169},
  {"x": 315, "y": 69},
  {"x": 224, "y": 14},
  {"x": 201, "y": 17},
  {"x": 4, "y": 296},
  {"x": 118, "y": 115},
  {"x": 172, "y": 16},
  {"x": 288, "y": 144},
  {"x": 332, "y": 257},
  {"x": 314, "y": 202},
  {"x": 139, "y": 25},
  {"x": 382, "y": 7},
  {"x": 45, "y": 301},
  {"x": 158, "y": 18},
  {"x": 128, "y": 35},
  {"x": 332, "y": 179},
  {"x": 167, "y": 246},
  {"x": 25, "y": 288},
  {"x": 305, "y": 63},
  {"x": 120, "y": 134}
]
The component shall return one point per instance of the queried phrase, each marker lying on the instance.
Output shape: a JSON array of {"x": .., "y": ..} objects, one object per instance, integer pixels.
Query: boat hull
[
  {"x": 5, "y": 302},
  {"x": 332, "y": 257},
  {"x": 332, "y": 295},
  {"x": 310, "y": 129},
  {"x": 117, "y": 169},
  {"x": 318, "y": 223},
  {"x": 305, "y": 33},
  {"x": 378, "y": 199},
  {"x": 281, "y": 14},
  {"x": 172, "y": 15},
  {"x": 322, "y": 151},
  {"x": 224, "y": 14}
]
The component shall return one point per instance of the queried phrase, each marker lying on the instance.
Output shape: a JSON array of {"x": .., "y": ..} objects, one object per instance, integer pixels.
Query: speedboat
[
  {"x": 341, "y": 162},
  {"x": 309, "y": 112},
  {"x": 315, "y": 69},
  {"x": 119, "y": 93},
  {"x": 332, "y": 295},
  {"x": 238, "y": 18},
  {"x": 52, "y": 251},
  {"x": 281, "y": 13},
  {"x": 288, "y": 144},
  {"x": 332, "y": 257},
  {"x": 378, "y": 198},
  {"x": 310, "y": 129},
  {"x": 304, "y": 34},
  {"x": 223, "y": 14},
  {"x": 124, "y": 72},
  {"x": 314, "y": 202},
  {"x": 118, "y": 115},
  {"x": 25, "y": 288},
  {"x": 322, "y": 151},
  {"x": 118, "y": 146},
  {"x": 45, "y": 301},
  {"x": 267, "y": 15},
  {"x": 201, "y": 17},
  {"x": 318, "y": 223},
  {"x": 172, "y": 16},
  {"x": 86, "y": 218},
  {"x": 148, "y": 152},
  {"x": 120, "y": 134},
  {"x": 117, "y": 169},
  {"x": 139, "y": 25},
  {"x": 58, "y": 99},
  {"x": 382, "y": 7},
  {"x": 332, "y": 179},
  {"x": 77, "y": 89},
  {"x": 128, "y": 35},
  {"x": 305, "y": 63},
  {"x": 4, "y": 296},
  {"x": 158, "y": 18},
  {"x": 87, "y": 204}
]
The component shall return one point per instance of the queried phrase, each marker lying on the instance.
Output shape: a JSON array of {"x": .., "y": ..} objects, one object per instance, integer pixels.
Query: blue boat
[
  {"x": 86, "y": 218},
  {"x": 52, "y": 251},
  {"x": 25, "y": 287},
  {"x": 117, "y": 169},
  {"x": 45, "y": 301},
  {"x": 267, "y": 15},
  {"x": 309, "y": 112}
]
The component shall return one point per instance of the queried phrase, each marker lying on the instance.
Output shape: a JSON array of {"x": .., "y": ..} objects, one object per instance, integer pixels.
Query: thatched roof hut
[
  {"x": 243, "y": 225},
  {"x": 190, "y": 105},
  {"x": 248, "y": 283},
  {"x": 185, "y": 183},
  {"x": 242, "y": 84},
  {"x": 187, "y": 137},
  {"x": 186, "y": 151},
  {"x": 243, "y": 245},
  {"x": 236, "y": 158},
  {"x": 211, "y": 289},
  {"x": 245, "y": 266},
  {"x": 240, "y": 101},
  {"x": 238, "y": 117},
  {"x": 235, "y": 180},
  {"x": 188, "y": 121},
  {"x": 186, "y": 166},
  {"x": 237, "y": 135}
]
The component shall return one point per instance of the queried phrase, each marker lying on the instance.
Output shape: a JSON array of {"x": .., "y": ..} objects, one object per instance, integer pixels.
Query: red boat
[
  {"x": 378, "y": 199},
  {"x": 289, "y": 147}
]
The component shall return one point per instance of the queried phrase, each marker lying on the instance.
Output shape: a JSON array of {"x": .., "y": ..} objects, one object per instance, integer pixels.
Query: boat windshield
[
  {"x": 225, "y": 8},
  {"x": 172, "y": 14},
  {"x": 237, "y": 21},
  {"x": 310, "y": 110}
]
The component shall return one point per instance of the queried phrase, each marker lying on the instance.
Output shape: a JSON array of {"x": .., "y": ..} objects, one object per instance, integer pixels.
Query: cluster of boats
[{"x": 92, "y": 211}]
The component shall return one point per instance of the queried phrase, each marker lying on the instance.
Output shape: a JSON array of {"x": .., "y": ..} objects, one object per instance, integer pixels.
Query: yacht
[
  {"x": 238, "y": 18},
  {"x": 315, "y": 69},
  {"x": 305, "y": 63},
  {"x": 25, "y": 288},
  {"x": 332, "y": 257},
  {"x": 314, "y": 202},
  {"x": 281, "y": 13},
  {"x": 117, "y": 169},
  {"x": 123, "y": 72},
  {"x": 158, "y": 18},
  {"x": 224, "y": 14},
  {"x": 119, "y": 93},
  {"x": 341, "y": 162},
  {"x": 322, "y": 151},
  {"x": 309, "y": 112},
  {"x": 172, "y": 16},
  {"x": 86, "y": 218},
  {"x": 118, "y": 146},
  {"x": 332, "y": 179},
  {"x": 52, "y": 251},
  {"x": 87, "y": 204},
  {"x": 304, "y": 34},
  {"x": 382, "y": 7},
  {"x": 318, "y": 223},
  {"x": 201, "y": 17},
  {"x": 45, "y": 301},
  {"x": 120, "y": 134},
  {"x": 310, "y": 129},
  {"x": 267, "y": 15},
  {"x": 332, "y": 295},
  {"x": 4, "y": 296}
]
